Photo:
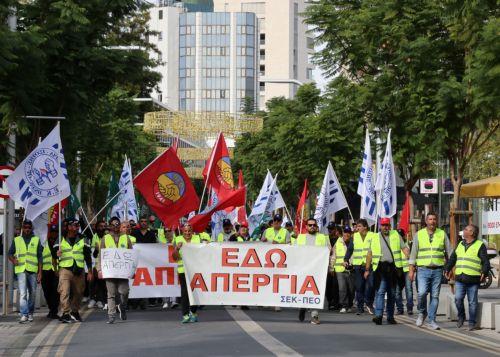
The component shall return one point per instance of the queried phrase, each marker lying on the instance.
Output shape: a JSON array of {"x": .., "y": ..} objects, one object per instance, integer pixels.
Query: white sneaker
[
  {"x": 23, "y": 319},
  {"x": 349, "y": 309},
  {"x": 91, "y": 304},
  {"x": 165, "y": 306},
  {"x": 343, "y": 310},
  {"x": 433, "y": 325},
  {"x": 105, "y": 307},
  {"x": 99, "y": 305},
  {"x": 85, "y": 299},
  {"x": 30, "y": 317},
  {"x": 174, "y": 305},
  {"x": 420, "y": 320}
]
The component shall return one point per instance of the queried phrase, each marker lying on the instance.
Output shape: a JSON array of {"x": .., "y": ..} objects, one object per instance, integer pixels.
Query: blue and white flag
[
  {"x": 331, "y": 198},
  {"x": 41, "y": 180},
  {"x": 126, "y": 207},
  {"x": 386, "y": 184},
  {"x": 366, "y": 188}
]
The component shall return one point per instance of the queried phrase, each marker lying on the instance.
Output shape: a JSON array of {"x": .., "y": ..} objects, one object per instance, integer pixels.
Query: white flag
[
  {"x": 366, "y": 188},
  {"x": 331, "y": 198},
  {"x": 126, "y": 207},
  {"x": 41, "y": 180},
  {"x": 386, "y": 184},
  {"x": 269, "y": 199}
]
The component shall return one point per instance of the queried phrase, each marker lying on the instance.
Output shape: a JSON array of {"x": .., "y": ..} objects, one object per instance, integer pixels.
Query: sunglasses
[
  {"x": 385, "y": 225},
  {"x": 311, "y": 225}
]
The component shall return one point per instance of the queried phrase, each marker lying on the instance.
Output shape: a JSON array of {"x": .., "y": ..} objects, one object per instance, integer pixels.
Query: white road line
[
  {"x": 67, "y": 339},
  {"x": 38, "y": 340},
  {"x": 51, "y": 341},
  {"x": 260, "y": 335}
]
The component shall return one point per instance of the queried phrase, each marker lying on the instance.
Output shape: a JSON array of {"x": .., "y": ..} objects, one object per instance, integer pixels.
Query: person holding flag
[{"x": 276, "y": 234}]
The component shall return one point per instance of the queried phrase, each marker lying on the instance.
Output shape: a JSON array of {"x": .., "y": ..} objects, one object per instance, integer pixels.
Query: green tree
[{"x": 248, "y": 105}]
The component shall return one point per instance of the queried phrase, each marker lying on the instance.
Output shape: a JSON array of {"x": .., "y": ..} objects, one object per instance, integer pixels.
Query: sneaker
[
  {"x": 400, "y": 312},
  {"x": 460, "y": 322},
  {"x": 165, "y": 306},
  {"x": 23, "y": 319},
  {"x": 474, "y": 328},
  {"x": 377, "y": 320},
  {"x": 343, "y": 310},
  {"x": 433, "y": 325},
  {"x": 30, "y": 317},
  {"x": 360, "y": 311},
  {"x": 369, "y": 309},
  {"x": 174, "y": 305},
  {"x": 105, "y": 307},
  {"x": 315, "y": 320},
  {"x": 302, "y": 315},
  {"x": 410, "y": 312},
  {"x": 75, "y": 316},
  {"x": 420, "y": 319},
  {"x": 391, "y": 321},
  {"x": 91, "y": 304},
  {"x": 111, "y": 320},
  {"x": 349, "y": 309},
  {"x": 85, "y": 299},
  {"x": 100, "y": 305},
  {"x": 186, "y": 319},
  {"x": 121, "y": 311},
  {"x": 66, "y": 319},
  {"x": 193, "y": 317}
]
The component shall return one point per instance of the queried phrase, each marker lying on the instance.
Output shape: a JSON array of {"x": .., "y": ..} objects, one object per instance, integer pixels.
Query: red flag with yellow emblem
[
  {"x": 217, "y": 172},
  {"x": 166, "y": 187}
]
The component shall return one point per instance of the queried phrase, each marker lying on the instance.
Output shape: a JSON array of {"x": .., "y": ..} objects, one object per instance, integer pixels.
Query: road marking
[
  {"x": 38, "y": 340},
  {"x": 51, "y": 341},
  {"x": 458, "y": 337},
  {"x": 260, "y": 335},
  {"x": 67, "y": 339}
]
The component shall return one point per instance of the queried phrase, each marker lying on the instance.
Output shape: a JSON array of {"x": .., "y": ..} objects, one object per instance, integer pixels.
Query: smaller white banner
[
  {"x": 257, "y": 274},
  {"x": 118, "y": 263},
  {"x": 491, "y": 218},
  {"x": 156, "y": 273}
]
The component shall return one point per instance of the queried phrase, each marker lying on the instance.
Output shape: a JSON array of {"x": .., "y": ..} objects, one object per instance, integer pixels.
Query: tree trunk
[{"x": 456, "y": 175}]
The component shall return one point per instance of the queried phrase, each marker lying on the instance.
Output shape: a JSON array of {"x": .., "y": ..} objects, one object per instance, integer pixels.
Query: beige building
[{"x": 284, "y": 44}]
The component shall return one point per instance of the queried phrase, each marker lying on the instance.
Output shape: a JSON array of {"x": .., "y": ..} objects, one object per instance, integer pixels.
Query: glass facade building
[{"x": 217, "y": 61}]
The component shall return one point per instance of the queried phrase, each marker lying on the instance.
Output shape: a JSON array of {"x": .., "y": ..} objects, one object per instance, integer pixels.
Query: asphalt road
[{"x": 233, "y": 332}]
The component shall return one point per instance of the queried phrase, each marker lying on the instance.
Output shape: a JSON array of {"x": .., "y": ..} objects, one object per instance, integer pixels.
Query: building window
[
  {"x": 309, "y": 74},
  {"x": 160, "y": 15},
  {"x": 262, "y": 54},
  {"x": 262, "y": 38},
  {"x": 262, "y": 86},
  {"x": 262, "y": 70},
  {"x": 160, "y": 36}
]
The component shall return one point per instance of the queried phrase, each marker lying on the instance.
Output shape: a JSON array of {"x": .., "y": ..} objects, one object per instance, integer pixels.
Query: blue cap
[
  {"x": 277, "y": 218},
  {"x": 347, "y": 229},
  {"x": 226, "y": 222}
]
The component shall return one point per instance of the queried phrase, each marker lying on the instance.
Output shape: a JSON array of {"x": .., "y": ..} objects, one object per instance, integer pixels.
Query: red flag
[
  {"x": 235, "y": 198},
  {"x": 217, "y": 171},
  {"x": 404, "y": 221},
  {"x": 167, "y": 189},
  {"x": 300, "y": 226},
  {"x": 53, "y": 212}
]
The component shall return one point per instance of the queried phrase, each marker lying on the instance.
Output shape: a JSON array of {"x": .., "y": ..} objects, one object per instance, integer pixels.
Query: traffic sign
[{"x": 5, "y": 171}]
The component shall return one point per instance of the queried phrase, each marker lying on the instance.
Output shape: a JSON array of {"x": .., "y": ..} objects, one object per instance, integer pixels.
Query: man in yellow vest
[
  {"x": 49, "y": 277},
  {"x": 26, "y": 254},
  {"x": 341, "y": 266},
  {"x": 384, "y": 256},
  {"x": 276, "y": 234},
  {"x": 97, "y": 286},
  {"x": 227, "y": 231},
  {"x": 332, "y": 285},
  {"x": 317, "y": 239},
  {"x": 242, "y": 235},
  {"x": 430, "y": 245},
  {"x": 73, "y": 254},
  {"x": 119, "y": 237},
  {"x": 471, "y": 263},
  {"x": 364, "y": 287}
]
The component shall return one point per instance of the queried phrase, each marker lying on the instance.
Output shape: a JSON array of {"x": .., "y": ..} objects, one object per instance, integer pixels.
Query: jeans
[
  {"x": 385, "y": 286},
  {"x": 27, "y": 290},
  {"x": 408, "y": 293},
  {"x": 471, "y": 290},
  {"x": 429, "y": 281},
  {"x": 117, "y": 294},
  {"x": 364, "y": 287}
]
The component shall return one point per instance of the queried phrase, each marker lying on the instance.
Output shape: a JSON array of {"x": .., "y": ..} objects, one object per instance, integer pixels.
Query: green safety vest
[
  {"x": 320, "y": 240},
  {"x": 394, "y": 244},
  {"x": 195, "y": 239},
  {"x": 340, "y": 251},
  {"x": 430, "y": 253},
  {"x": 361, "y": 247},
  {"x": 70, "y": 253},
  {"x": 220, "y": 237},
  {"x": 468, "y": 262},
  {"x": 96, "y": 241},
  {"x": 47, "y": 258},
  {"x": 271, "y": 235},
  {"x": 161, "y": 236},
  {"x": 205, "y": 237},
  {"x": 27, "y": 257},
  {"x": 109, "y": 241}
]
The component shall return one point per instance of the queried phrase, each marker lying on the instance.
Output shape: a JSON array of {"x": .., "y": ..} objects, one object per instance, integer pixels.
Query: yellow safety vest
[
  {"x": 161, "y": 236},
  {"x": 320, "y": 240},
  {"x": 70, "y": 253},
  {"x": 47, "y": 258},
  {"x": 340, "y": 251},
  {"x": 220, "y": 237},
  {"x": 430, "y": 253},
  {"x": 361, "y": 247},
  {"x": 96, "y": 241},
  {"x": 468, "y": 262},
  {"x": 394, "y": 244},
  {"x": 271, "y": 235},
  {"x": 205, "y": 237},
  {"x": 109, "y": 241},
  {"x": 27, "y": 257},
  {"x": 195, "y": 239}
]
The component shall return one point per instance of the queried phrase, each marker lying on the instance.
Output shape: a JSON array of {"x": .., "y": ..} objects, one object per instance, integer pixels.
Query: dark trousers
[
  {"x": 186, "y": 307},
  {"x": 49, "y": 286},
  {"x": 332, "y": 290},
  {"x": 364, "y": 288},
  {"x": 98, "y": 288}
]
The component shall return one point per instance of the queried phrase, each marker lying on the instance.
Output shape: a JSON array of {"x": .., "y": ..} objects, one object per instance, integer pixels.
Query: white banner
[
  {"x": 256, "y": 274},
  {"x": 118, "y": 263},
  {"x": 491, "y": 217},
  {"x": 156, "y": 273}
]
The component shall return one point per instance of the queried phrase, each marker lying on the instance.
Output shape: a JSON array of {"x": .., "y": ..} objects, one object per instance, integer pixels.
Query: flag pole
[
  {"x": 59, "y": 223},
  {"x": 209, "y": 169}
]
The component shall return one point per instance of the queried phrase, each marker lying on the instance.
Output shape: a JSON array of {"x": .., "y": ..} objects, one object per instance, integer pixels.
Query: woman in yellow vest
[
  {"x": 471, "y": 263},
  {"x": 26, "y": 254},
  {"x": 188, "y": 311}
]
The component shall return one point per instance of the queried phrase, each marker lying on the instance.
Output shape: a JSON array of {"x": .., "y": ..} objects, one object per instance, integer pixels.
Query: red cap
[
  {"x": 385, "y": 221},
  {"x": 244, "y": 225}
]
